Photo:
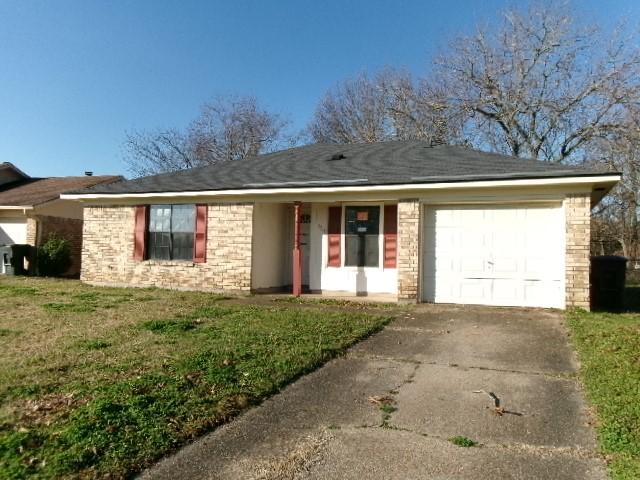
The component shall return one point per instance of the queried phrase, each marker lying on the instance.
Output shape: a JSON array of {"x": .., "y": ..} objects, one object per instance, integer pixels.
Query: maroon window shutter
[
  {"x": 390, "y": 235},
  {"x": 200, "y": 237},
  {"x": 140, "y": 233},
  {"x": 335, "y": 221}
]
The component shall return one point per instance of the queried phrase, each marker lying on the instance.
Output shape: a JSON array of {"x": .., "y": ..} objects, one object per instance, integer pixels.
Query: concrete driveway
[{"x": 437, "y": 366}]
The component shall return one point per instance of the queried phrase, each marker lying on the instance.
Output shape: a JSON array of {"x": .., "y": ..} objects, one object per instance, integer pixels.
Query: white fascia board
[
  {"x": 16, "y": 207},
  {"x": 411, "y": 187}
]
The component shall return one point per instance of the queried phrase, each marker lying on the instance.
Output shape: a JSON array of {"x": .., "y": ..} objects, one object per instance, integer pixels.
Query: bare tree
[
  {"x": 390, "y": 105},
  {"x": 540, "y": 86},
  {"x": 234, "y": 128},
  {"x": 228, "y": 128},
  {"x": 147, "y": 153},
  {"x": 418, "y": 109},
  {"x": 617, "y": 219},
  {"x": 352, "y": 112}
]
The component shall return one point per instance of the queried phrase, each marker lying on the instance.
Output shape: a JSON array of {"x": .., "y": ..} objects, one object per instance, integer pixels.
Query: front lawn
[
  {"x": 608, "y": 346},
  {"x": 100, "y": 382}
]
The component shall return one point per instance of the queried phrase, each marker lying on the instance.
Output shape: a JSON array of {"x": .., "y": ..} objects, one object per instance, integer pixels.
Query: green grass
[
  {"x": 94, "y": 344},
  {"x": 115, "y": 379},
  {"x": 463, "y": 442},
  {"x": 608, "y": 346},
  {"x": 339, "y": 302}
]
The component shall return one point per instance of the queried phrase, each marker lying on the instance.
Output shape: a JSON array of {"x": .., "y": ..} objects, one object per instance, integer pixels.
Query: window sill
[{"x": 170, "y": 263}]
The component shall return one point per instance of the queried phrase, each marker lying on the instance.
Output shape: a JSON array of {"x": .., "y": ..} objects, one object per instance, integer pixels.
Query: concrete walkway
[{"x": 437, "y": 366}]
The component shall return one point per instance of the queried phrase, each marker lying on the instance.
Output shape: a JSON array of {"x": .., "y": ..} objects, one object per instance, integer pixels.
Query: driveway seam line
[
  {"x": 569, "y": 376},
  {"x": 566, "y": 451}
]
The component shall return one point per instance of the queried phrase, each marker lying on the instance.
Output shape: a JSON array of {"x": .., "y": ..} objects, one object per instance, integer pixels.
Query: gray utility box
[
  {"x": 6, "y": 255},
  {"x": 607, "y": 282},
  {"x": 13, "y": 258}
]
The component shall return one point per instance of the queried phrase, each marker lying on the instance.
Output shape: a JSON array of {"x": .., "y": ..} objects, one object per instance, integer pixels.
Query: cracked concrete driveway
[{"x": 437, "y": 365}]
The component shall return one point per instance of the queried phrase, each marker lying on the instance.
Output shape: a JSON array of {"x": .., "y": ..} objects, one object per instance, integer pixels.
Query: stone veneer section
[
  {"x": 32, "y": 230},
  {"x": 578, "y": 235},
  {"x": 107, "y": 252},
  {"x": 408, "y": 250}
]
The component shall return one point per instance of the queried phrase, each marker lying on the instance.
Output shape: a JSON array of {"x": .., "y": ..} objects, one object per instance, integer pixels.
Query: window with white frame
[
  {"x": 362, "y": 229},
  {"x": 171, "y": 232}
]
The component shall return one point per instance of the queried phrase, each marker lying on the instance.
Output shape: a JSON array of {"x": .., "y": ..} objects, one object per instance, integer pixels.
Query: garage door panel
[
  {"x": 494, "y": 255},
  {"x": 474, "y": 289},
  {"x": 446, "y": 238},
  {"x": 506, "y": 266},
  {"x": 472, "y": 266},
  {"x": 506, "y": 291},
  {"x": 538, "y": 292},
  {"x": 540, "y": 268}
]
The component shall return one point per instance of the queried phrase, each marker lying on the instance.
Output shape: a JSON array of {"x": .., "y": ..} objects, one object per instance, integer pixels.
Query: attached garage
[{"x": 506, "y": 255}]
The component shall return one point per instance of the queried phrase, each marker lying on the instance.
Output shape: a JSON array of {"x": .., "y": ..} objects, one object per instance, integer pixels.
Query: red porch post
[{"x": 297, "y": 257}]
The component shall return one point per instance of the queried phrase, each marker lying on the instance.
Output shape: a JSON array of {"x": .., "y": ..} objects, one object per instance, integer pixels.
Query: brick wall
[
  {"x": 107, "y": 252},
  {"x": 69, "y": 229},
  {"x": 408, "y": 250},
  {"x": 578, "y": 238}
]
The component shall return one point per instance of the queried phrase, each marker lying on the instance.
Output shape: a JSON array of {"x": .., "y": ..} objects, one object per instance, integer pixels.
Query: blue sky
[{"x": 75, "y": 75}]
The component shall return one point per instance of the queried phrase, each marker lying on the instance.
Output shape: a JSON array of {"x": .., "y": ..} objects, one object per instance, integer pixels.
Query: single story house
[
  {"x": 402, "y": 219},
  {"x": 31, "y": 209}
]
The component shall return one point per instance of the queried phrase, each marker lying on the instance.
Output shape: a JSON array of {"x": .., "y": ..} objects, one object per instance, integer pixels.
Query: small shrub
[
  {"x": 388, "y": 409},
  {"x": 54, "y": 257},
  {"x": 463, "y": 442}
]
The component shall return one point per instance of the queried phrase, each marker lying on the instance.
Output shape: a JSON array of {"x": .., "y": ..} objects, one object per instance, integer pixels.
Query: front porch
[{"x": 345, "y": 250}]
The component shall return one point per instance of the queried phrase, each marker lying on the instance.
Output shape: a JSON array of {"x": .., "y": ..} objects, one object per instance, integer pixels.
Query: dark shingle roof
[
  {"x": 384, "y": 163},
  {"x": 34, "y": 191}
]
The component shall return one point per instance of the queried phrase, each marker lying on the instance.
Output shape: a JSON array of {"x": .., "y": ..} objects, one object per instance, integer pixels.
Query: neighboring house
[
  {"x": 31, "y": 209},
  {"x": 404, "y": 220}
]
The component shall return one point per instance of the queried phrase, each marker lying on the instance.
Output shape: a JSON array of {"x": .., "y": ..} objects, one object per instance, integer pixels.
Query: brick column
[
  {"x": 32, "y": 231},
  {"x": 408, "y": 250},
  {"x": 578, "y": 235}
]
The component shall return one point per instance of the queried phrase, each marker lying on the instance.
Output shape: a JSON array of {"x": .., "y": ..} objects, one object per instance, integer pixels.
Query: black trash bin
[
  {"x": 20, "y": 253},
  {"x": 6, "y": 254},
  {"x": 607, "y": 282}
]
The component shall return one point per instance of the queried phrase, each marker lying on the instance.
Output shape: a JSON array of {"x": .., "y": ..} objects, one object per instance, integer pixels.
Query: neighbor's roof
[
  {"x": 35, "y": 191},
  {"x": 321, "y": 165}
]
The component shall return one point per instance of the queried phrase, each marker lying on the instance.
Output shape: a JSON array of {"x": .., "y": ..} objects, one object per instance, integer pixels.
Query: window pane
[
  {"x": 182, "y": 246},
  {"x": 160, "y": 218},
  {"x": 183, "y": 218},
  {"x": 159, "y": 246},
  {"x": 371, "y": 250},
  {"x": 351, "y": 250}
]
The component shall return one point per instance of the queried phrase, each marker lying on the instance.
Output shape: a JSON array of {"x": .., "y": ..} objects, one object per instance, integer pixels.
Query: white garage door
[
  {"x": 13, "y": 230},
  {"x": 492, "y": 255}
]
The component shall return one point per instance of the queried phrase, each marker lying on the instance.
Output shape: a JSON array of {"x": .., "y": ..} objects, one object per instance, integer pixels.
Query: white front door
[
  {"x": 305, "y": 240},
  {"x": 494, "y": 255}
]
